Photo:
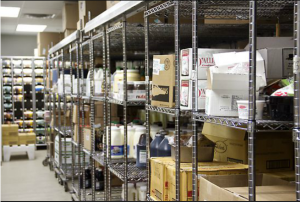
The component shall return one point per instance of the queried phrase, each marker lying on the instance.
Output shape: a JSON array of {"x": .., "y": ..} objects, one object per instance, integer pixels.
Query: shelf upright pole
[
  {"x": 108, "y": 155},
  {"x": 2, "y": 91},
  {"x": 147, "y": 58},
  {"x": 65, "y": 111},
  {"x": 297, "y": 95},
  {"x": 195, "y": 97},
  {"x": 79, "y": 149},
  {"x": 105, "y": 171},
  {"x": 34, "y": 94},
  {"x": 177, "y": 95},
  {"x": 92, "y": 115},
  {"x": 12, "y": 89},
  {"x": 83, "y": 118},
  {"x": 125, "y": 108},
  {"x": 71, "y": 117},
  {"x": 252, "y": 102},
  {"x": 23, "y": 99}
]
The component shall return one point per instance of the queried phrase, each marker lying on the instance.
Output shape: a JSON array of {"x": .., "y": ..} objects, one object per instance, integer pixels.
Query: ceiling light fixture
[
  {"x": 30, "y": 28},
  {"x": 9, "y": 12}
]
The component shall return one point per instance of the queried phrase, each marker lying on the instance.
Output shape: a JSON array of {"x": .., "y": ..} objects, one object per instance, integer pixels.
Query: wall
[{"x": 18, "y": 45}]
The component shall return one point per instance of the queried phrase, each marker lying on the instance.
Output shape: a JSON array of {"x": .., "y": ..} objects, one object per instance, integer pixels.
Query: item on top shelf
[
  {"x": 6, "y": 63},
  {"x": 205, "y": 60},
  {"x": 141, "y": 150},
  {"x": 39, "y": 63},
  {"x": 235, "y": 188},
  {"x": 163, "y": 85},
  {"x": 164, "y": 149},
  {"x": 132, "y": 75},
  {"x": 28, "y": 114},
  {"x": 159, "y": 137},
  {"x": 132, "y": 192},
  {"x": 7, "y": 89},
  {"x": 130, "y": 139},
  {"x": 232, "y": 145},
  {"x": 243, "y": 108},
  {"x": 186, "y": 94},
  {"x": 281, "y": 108},
  {"x": 139, "y": 131},
  {"x": 27, "y": 63}
]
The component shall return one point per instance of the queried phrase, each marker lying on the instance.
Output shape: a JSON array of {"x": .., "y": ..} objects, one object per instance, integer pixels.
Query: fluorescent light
[
  {"x": 31, "y": 28},
  {"x": 9, "y": 12}
]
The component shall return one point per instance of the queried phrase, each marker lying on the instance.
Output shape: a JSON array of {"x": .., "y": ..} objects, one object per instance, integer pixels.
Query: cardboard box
[
  {"x": 211, "y": 168},
  {"x": 10, "y": 130},
  {"x": 68, "y": 32},
  {"x": 86, "y": 115},
  {"x": 163, "y": 85},
  {"x": 76, "y": 133},
  {"x": 44, "y": 40},
  {"x": 87, "y": 134},
  {"x": 70, "y": 16},
  {"x": 284, "y": 175},
  {"x": 101, "y": 120},
  {"x": 95, "y": 7},
  {"x": 205, "y": 60},
  {"x": 186, "y": 97},
  {"x": 10, "y": 140},
  {"x": 27, "y": 138},
  {"x": 159, "y": 180},
  {"x": 274, "y": 151},
  {"x": 110, "y": 4},
  {"x": 278, "y": 62},
  {"x": 99, "y": 110},
  {"x": 235, "y": 188}
]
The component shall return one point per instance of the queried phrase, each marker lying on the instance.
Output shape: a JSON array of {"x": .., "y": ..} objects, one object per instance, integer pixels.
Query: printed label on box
[
  {"x": 161, "y": 93},
  {"x": 185, "y": 93},
  {"x": 229, "y": 102},
  {"x": 156, "y": 66},
  {"x": 117, "y": 150}
]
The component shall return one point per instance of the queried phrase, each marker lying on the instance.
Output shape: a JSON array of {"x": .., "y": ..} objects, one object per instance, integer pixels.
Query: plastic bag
[{"x": 285, "y": 92}]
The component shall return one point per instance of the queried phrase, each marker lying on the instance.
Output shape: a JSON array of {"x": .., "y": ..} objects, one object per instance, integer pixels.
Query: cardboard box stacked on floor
[{"x": 12, "y": 137}]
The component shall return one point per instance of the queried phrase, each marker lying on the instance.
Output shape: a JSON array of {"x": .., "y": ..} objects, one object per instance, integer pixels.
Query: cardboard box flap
[
  {"x": 223, "y": 132},
  {"x": 230, "y": 58}
]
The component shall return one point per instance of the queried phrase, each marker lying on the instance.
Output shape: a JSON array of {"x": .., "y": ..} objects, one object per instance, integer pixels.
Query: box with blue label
[{"x": 163, "y": 86}]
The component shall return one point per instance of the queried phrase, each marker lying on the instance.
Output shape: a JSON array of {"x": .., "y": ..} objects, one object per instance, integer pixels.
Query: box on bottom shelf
[
  {"x": 235, "y": 188},
  {"x": 27, "y": 138}
]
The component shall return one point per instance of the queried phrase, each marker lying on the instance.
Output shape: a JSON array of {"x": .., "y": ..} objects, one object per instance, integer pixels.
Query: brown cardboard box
[
  {"x": 235, "y": 188},
  {"x": 76, "y": 132},
  {"x": 86, "y": 115},
  {"x": 110, "y": 4},
  {"x": 101, "y": 120},
  {"x": 99, "y": 110},
  {"x": 44, "y": 40},
  {"x": 285, "y": 175},
  {"x": 274, "y": 151},
  {"x": 163, "y": 87},
  {"x": 87, "y": 139},
  {"x": 68, "y": 32},
  {"x": 159, "y": 181},
  {"x": 10, "y": 140},
  {"x": 95, "y": 7},
  {"x": 27, "y": 138},
  {"x": 10, "y": 130},
  {"x": 70, "y": 16},
  {"x": 210, "y": 168}
]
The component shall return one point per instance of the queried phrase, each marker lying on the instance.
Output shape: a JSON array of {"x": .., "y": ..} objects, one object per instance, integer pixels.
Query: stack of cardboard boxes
[
  {"x": 70, "y": 18},
  {"x": 45, "y": 40},
  {"x": 11, "y": 136}
]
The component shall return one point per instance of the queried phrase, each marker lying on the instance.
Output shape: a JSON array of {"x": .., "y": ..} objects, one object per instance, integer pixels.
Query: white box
[
  {"x": 205, "y": 60},
  {"x": 224, "y": 90},
  {"x": 278, "y": 62},
  {"x": 186, "y": 92}
]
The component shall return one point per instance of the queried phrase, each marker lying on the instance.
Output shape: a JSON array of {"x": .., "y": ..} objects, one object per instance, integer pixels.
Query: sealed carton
[
  {"x": 27, "y": 138},
  {"x": 235, "y": 188},
  {"x": 274, "y": 151},
  {"x": 10, "y": 130},
  {"x": 186, "y": 97},
  {"x": 70, "y": 16},
  {"x": 159, "y": 182},
  {"x": 204, "y": 169},
  {"x": 205, "y": 60},
  {"x": 10, "y": 140},
  {"x": 163, "y": 85}
]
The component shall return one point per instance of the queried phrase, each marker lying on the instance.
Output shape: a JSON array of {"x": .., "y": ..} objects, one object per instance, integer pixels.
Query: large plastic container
[
  {"x": 139, "y": 131},
  {"x": 141, "y": 150},
  {"x": 281, "y": 108},
  {"x": 159, "y": 137},
  {"x": 117, "y": 143},
  {"x": 130, "y": 140},
  {"x": 164, "y": 149}
]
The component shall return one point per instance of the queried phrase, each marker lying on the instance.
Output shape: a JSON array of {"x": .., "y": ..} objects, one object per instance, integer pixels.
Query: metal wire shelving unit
[{"x": 124, "y": 38}]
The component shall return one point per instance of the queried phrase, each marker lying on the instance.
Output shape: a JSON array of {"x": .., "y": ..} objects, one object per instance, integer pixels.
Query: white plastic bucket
[{"x": 243, "y": 107}]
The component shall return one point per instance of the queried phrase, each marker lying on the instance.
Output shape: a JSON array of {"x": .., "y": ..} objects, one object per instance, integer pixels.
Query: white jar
[
  {"x": 118, "y": 77},
  {"x": 132, "y": 192},
  {"x": 140, "y": 185},
  {"x": 117, "y": 143},
  {"x": 154, "y": 129},
  {"x": 138, "y": 132},
  {"x": 142, "y": 193},
  {"x": 130, "y": 139}
]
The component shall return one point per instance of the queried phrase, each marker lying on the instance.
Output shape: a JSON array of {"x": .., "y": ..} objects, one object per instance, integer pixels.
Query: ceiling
[{"x": 9, "y": 25}]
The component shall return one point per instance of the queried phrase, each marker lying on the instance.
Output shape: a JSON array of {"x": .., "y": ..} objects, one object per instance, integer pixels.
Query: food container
[
  {"x": 27, "y": 63},
  {"x": 243, "y": 108},
  {"x": 27, "y": 80},
  {"x": 27, "y": 72},
  {"x": 39, "y": 114},
  {"x": 7, "y": 97},
  {"x": 17, "y": 72},
  {"x": 140, "y": 85},
  {"x": 39, "y": 72},
  {"x": 39, "y": 89},
  {"x": 28, "y": 115},
  {"x": 39, "y": 81},
  {"x": 29, "y": 123},
  {"x": 7, "y": 80},
  {"x": 7, "y": 106},
  {"x": 281, "y": 108},
  {"x": 6, "y": 72},
  {"x": 18, "y": 98},
  {"x": 8, "y": 115},
  {"x": 205, "y": 154},
  {"x": 6, "y": 89},
  {"x": 18, "y": 89}
]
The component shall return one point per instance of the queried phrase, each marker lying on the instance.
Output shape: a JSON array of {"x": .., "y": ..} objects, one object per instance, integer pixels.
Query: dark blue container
[
  {"x": 164, "y": 149},
  {"x": 141, "y": 160},
  {"x": 159, "y": 137}
]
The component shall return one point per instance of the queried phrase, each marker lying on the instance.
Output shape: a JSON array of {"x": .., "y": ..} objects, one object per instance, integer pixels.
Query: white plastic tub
[{"x": 243, "y": 107}]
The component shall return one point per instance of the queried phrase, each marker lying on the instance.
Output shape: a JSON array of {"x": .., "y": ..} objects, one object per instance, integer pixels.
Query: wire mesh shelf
[
  {"x": 168, "y": 111},
  {"x": 262, "y": 125},
  {"x": 129, "y": 103},
  {"x": 135, "y": 174}
]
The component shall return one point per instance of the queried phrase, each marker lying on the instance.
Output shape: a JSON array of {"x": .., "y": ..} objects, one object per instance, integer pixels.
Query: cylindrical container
[
  {"x": 18, "y": 98},
  {"x": 40, "y": 114},
  {"x": 39, "y": 72},
  {"x": 8, "y": 115},
  {"x": 39, "y": 81},
  {"x": 141, "y": 150},
  {"x": 130, "y": 140},
  {"x": 164, "y": 149},
  {"x": 27, "y": 72},
  {"x": 243, "y": 107},
  {"x": 28, "y": 123},
  {"x": 18, "y": 89},
  {"x": 154, "y": 129},
  {"x": 7, "y": 89},
  {"x": 6, "y": 72},
  {"x": 159, "y": 137},
  {"x": 28, "y": 115},
  {"x": 7, "y": 80},
  {"x": 139, "y": 131},
  {"x": 139, "y": 185},
  {"x": 142, "y": 193},
  {"x": 132, "y": 75},
  {"x": 132, "y": 193},
  {"x": 18, "y": 72},
  {"x": 39, "y": 89},
  {"x": 117, "y": 143},
  {"x": 27, "y": 80},
  {"x": 7, "y": 97},
  {"x": 7, "y": 105},
  {"x": 40, "y": 123}
]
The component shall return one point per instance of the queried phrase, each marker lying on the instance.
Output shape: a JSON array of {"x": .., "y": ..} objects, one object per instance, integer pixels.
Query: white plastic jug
[
  {"x": 132, "y": 192},
  {"x": 98, "y": 80},
  {"x": 117, "y": 143},
  {"x": 140, "y": 189},
  {"x": 130, "y": 139},
  {"x": 138, "y": 132}
]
